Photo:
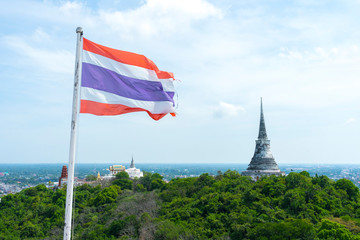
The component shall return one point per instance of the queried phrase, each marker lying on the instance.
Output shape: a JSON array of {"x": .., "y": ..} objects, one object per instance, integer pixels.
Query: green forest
[{"x": 225, "y": 206}]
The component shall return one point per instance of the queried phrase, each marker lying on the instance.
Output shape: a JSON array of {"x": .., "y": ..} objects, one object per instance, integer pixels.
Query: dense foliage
[{"x": 226, "y": 206}]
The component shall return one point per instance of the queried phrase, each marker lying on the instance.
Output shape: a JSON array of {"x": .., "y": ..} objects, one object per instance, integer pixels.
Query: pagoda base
[{"x": 256, "y": 174}]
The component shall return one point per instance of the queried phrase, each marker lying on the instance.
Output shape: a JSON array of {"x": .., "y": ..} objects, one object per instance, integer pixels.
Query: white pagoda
[
  {"x": 263, "y": 162},
  {"x": 133, "y": 171}
]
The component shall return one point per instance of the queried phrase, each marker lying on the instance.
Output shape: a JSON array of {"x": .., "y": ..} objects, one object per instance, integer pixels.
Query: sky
[{"x": 301, "y": 57}]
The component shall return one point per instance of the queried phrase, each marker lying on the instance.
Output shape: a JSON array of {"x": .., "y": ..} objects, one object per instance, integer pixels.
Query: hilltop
[{"x": 225, "y": 206}]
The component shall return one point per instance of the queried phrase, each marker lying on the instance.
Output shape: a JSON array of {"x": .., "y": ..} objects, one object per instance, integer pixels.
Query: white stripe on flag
[
  {"x": 127, "y": 70},
  {"x": 155, "y": 107},
  {"x": 120, "y": 68},
  {"x": 168, "y": 85}
]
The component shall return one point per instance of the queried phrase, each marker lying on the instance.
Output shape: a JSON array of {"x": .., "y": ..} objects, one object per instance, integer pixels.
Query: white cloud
[
  {"x": 57, "y": 61},
  {"x": 159, "y": 16},
  {"x": 70, "y": 6},
  {"x": 335, "y": 54},
  {"x": 350, "y": 121},
  {"x": 40, "y": 36},
  {"x": 224, "y": 109}
]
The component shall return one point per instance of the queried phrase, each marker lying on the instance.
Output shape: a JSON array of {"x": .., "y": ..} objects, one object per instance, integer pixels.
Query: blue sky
[{"x": 302, "y": 57}]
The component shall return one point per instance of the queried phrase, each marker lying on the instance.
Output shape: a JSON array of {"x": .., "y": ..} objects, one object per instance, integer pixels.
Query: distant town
[{"x": 15, "y": 177}]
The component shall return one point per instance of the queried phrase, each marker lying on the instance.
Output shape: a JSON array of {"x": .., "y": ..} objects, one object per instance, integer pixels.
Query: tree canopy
[{"x": 226, "y": 206}]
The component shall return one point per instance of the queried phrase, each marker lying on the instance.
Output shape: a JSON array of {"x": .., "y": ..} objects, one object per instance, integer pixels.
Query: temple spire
[
  {"x": 263, "y": 162},
  {"x": 262, "y": 129},
  {"x": 132, "y": 165}
]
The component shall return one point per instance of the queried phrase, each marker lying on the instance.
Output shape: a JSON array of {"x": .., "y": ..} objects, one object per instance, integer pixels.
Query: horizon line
[{"x": 189, "y": 163}]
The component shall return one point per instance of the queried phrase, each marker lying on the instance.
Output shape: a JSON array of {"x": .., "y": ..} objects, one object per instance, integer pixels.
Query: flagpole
[{"x": 73, "y": 138}]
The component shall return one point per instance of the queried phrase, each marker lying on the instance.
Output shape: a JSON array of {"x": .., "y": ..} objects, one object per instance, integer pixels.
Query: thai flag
[{"x": 115, "y": 82}]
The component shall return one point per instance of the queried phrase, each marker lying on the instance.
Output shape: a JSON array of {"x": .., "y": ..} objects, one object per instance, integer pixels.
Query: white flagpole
[{"x": 73, "y": 138}]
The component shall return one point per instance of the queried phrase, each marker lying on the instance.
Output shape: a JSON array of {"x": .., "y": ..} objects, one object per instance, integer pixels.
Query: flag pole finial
[{"x": 79, "y": 30}]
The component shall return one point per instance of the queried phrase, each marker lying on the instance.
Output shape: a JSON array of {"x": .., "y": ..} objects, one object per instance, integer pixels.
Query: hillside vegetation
[{"x": 226, "y": 206}]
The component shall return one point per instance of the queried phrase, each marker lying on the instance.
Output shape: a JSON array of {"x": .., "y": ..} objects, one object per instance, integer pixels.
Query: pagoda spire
[
  {"x": 263, "y": 162},
  {"x": 262, "y": 128},
  {"x": 263, "y": 158},
  {"x": 132, "y": 165}
]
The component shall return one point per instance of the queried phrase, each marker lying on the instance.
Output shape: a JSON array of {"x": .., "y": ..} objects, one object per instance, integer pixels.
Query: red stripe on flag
[
  {"x": 101, "y": 109},
  {"x": 125, "y": 57},
  {"x": 165, "y": 75}
]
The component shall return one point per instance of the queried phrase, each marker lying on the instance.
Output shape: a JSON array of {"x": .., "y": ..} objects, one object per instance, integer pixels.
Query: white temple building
[{"x": 133, "y": 171}]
